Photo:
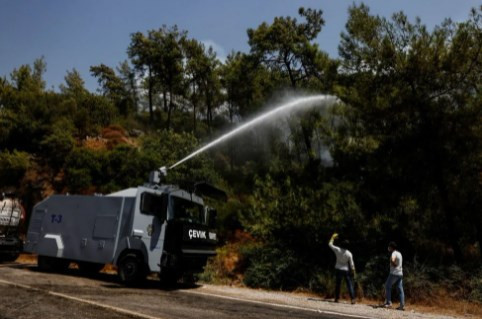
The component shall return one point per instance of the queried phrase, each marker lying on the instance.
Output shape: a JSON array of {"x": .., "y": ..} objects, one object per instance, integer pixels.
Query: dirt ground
[{"x": 28, "y": 293}]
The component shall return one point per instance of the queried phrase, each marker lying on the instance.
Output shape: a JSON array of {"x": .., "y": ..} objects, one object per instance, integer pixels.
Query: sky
[{"x": 80, "y": 33}]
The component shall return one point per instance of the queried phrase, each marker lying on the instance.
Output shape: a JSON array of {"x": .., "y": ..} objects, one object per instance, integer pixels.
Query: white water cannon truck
[
  {"x": 153, "y": 228},
  {"x": 12, "y": 216}
]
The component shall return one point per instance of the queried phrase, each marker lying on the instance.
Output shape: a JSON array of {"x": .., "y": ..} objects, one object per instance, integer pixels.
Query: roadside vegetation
[{"x": 399, "y": 158}]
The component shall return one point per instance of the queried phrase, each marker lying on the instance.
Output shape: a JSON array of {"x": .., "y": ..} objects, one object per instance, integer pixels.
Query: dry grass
[
  {"x": 95, "y": 143},
  {"x": 446, "y": 304},
  {"x": 115, "y": 135},
  {"x": 110, "y": 137},
  {"x": 27, "y": 259}
]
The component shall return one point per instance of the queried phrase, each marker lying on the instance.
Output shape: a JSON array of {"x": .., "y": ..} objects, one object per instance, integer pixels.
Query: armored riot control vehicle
[
  {"x": 12, "y": 216},
  {"x": 151, "y": 228}
]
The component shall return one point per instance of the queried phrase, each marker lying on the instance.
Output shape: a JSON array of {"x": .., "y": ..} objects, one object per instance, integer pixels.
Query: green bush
[
  {"x": 83, "y": 168},
  {"x": 57, "y": 146},
  {"x": 475, "y": 287},
  {"x": 373, "y": 277},
  {"x": 78, "y": 179},
  {"x": 322, "y": 281},
  {"x": 275, "y": 268},
  {"x": 422, "y": 282},
  {"x": 216, "y": 271}
]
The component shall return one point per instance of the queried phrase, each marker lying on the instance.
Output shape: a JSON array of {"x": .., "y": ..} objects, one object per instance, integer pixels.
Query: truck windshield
[{"x": 187, "y": 211}]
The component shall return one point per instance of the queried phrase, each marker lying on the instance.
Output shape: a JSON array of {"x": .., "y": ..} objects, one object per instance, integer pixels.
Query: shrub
[
  {"x": 230, "y": 263},
  {"x": 57, "y": 146},
  {"x": 322, "y": 281},
  {"x": 78, "y": 179},
  {"x": 475, "y": 287},
  {"x": 83, "y": 168},
  {"x": 275, "y": 268}
]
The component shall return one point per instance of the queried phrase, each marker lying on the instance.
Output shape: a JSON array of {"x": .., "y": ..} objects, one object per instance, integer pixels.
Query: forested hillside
[{"x": 399, "y": 157}]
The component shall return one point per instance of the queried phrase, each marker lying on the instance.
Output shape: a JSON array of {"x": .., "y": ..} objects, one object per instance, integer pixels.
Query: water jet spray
[{"x": 302, "y": 102}]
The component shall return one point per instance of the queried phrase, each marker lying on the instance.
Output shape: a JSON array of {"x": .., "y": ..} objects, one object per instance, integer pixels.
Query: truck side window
[
  {"x": 155, "y": 205},
  {"x": 187, "y": 210},
  {"x": 211, "y": 217}
]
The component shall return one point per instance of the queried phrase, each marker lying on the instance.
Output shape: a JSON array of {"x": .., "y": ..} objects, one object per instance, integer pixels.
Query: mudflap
[{"x": 10, "y": 248}]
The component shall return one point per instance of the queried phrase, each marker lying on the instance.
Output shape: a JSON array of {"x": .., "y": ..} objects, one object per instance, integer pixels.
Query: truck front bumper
[
  {"x": 187, "y": 261},
  {"x": 10, "y": 245}
]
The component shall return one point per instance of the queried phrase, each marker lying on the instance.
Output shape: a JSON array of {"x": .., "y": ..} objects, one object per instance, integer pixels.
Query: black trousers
[{"x": 340, "y": 274}]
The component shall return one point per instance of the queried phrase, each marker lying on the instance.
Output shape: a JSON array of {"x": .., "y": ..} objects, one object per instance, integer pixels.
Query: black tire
[
  {"x": 189, "y": 279},
  {"x": 52, "y": 264},
  {"x": 89, "y": 267},
  {"x": 131, "y": 269}
]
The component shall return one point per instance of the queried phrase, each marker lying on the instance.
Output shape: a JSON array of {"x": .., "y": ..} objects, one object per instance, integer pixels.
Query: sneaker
[
  {"x": 353, "y": 301},
  {"x": 401, "y": 308},
  {"x": 387, "y": 305}
]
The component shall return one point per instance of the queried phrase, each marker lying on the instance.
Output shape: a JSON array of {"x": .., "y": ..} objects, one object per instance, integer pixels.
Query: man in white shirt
[
  {"x": 344, "y": 265},
  {"x": 395, "y": 277}
]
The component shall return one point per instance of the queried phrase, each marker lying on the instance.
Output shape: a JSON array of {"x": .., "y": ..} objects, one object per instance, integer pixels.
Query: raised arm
[{"x": 330, "y": 243}]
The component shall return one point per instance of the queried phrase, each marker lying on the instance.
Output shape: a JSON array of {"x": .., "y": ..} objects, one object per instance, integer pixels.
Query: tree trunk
[
  {"x": 231, "y": 111},
  {"x": 134, "y": 95},
  {"x": 452, "y": 233},
  {"x": 306, "y": 131},
  {"x": 194, "y": 102},
  {"x": 208, "y": 111},
  {"x": 164, "y": 97},
  {"x": 151, "y": 87},
  {"x": 479, "y": 238},
  {"x": 168, "y": 124},
  {"x": 290, "y": 72},
  {"x": 307, "y": 139}
]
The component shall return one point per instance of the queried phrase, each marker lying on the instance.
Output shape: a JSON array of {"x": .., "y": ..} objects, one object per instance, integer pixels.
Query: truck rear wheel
[{"x": 131, "y": 269}]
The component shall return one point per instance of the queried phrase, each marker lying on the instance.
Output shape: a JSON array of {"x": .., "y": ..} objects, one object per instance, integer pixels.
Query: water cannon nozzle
[
  {"x": 156, "y": 177},
  {"x": 163, "y": 170}
]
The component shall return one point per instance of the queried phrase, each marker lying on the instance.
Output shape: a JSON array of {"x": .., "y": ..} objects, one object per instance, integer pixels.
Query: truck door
[{"x": 150, "y": 224}]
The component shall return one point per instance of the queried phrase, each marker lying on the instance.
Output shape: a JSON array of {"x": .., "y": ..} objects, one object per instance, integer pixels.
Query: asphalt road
[{"x": 26, "y": 292}]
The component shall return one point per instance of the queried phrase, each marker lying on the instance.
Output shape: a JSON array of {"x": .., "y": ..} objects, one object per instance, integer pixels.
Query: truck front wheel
[{"x": 131, "y": 269}]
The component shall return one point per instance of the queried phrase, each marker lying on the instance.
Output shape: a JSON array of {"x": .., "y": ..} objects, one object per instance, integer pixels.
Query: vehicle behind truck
[
  {"x": 148, "y": 229},
  {"x": 12, "y": 216}
]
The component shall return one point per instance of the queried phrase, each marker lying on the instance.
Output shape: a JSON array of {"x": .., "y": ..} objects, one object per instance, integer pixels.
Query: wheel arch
[{"x": 132, "y": 245}]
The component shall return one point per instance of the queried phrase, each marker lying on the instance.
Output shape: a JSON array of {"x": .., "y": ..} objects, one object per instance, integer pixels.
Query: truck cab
[{"x": 176, "y": 230}]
